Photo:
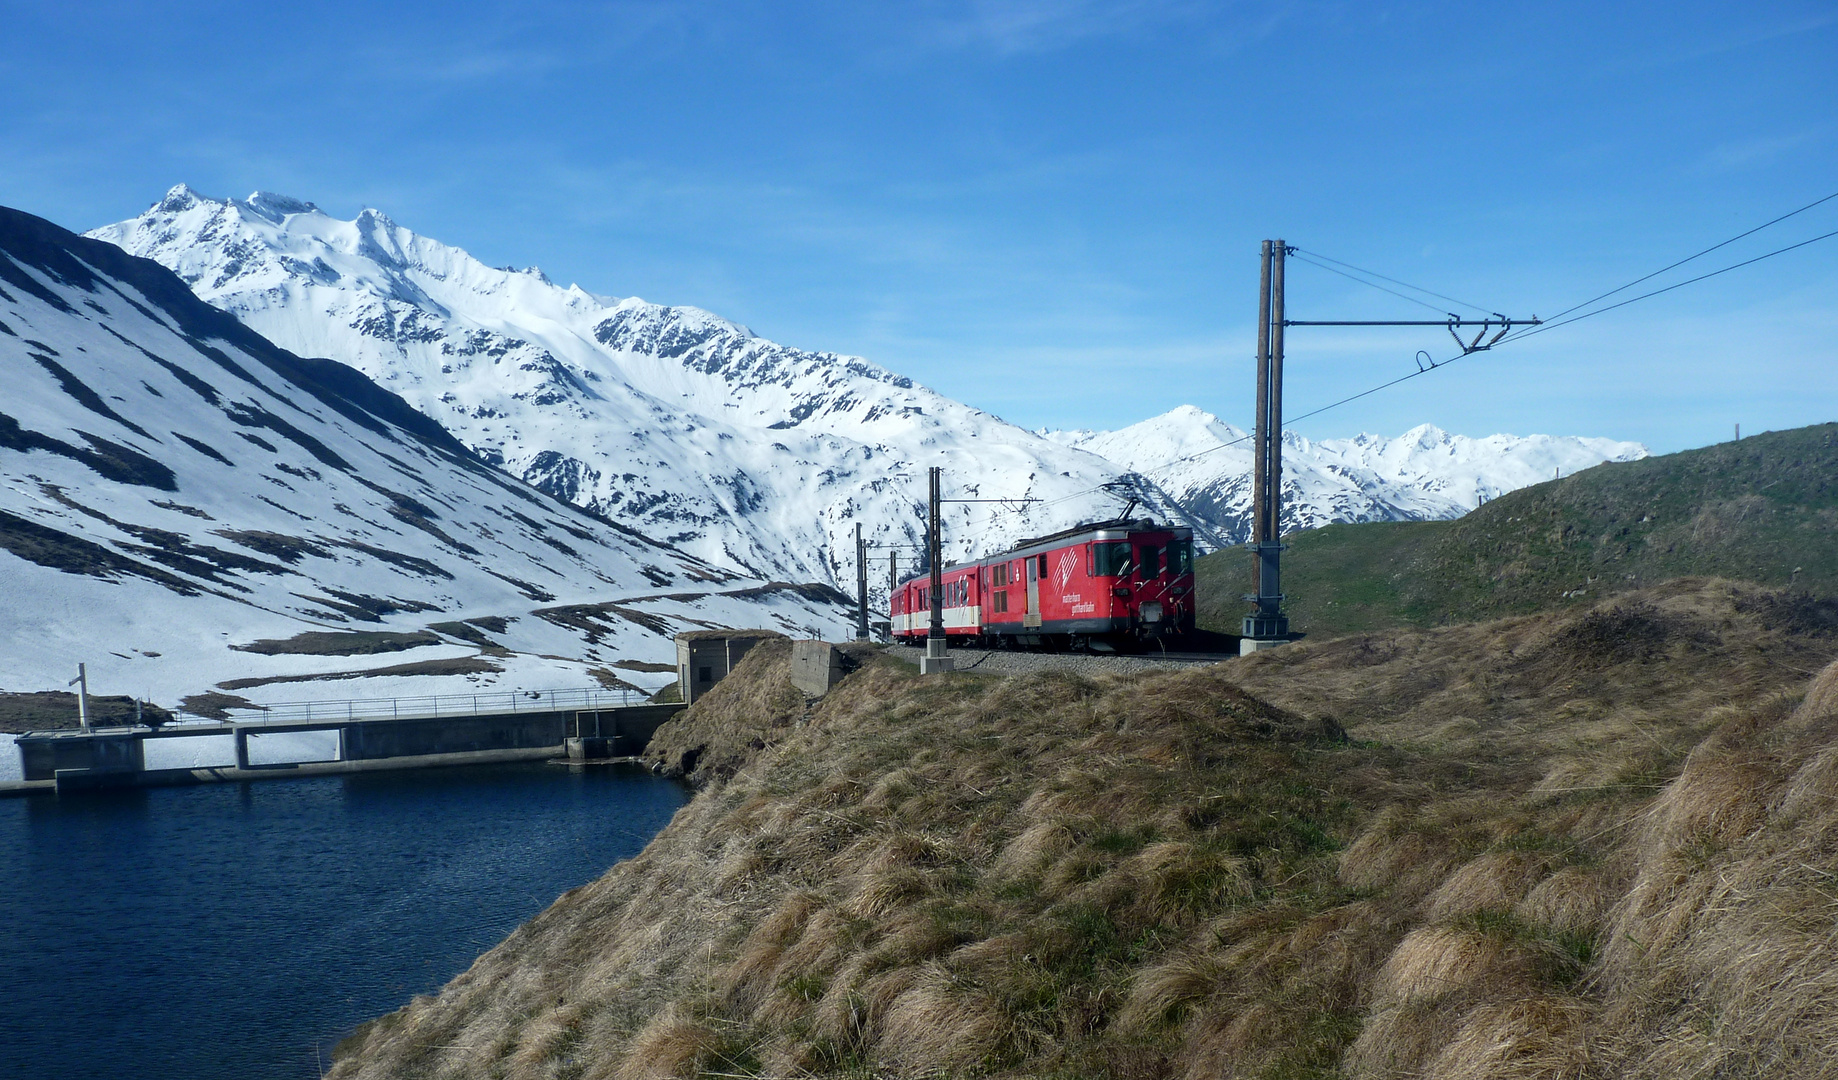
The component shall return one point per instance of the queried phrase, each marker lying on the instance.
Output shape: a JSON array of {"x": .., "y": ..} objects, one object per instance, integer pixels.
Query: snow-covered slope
[
  {"x": 691, "y": 428},
  {"x": 174, "y": 486},
  {"x": 1425, "y": 473}
]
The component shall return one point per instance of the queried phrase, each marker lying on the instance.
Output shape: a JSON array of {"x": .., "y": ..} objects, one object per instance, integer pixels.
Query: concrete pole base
[
  {"x": 935, "y": 660},
  {"x": 1247, "y": 646}
]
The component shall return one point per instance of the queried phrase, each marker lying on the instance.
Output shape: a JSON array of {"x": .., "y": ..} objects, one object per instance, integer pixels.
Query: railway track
[{"x": 1008, "y": 661}]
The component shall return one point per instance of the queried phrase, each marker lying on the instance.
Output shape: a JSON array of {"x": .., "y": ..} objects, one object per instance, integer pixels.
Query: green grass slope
[{"x": 1763, "y": 510}]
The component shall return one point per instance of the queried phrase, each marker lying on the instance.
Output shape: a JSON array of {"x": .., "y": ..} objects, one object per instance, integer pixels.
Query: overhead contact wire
[
  {"x": 1549, "y": 324},
  {"x": 1552, "y": 325},
  {"x": 1706, "y": 251}
]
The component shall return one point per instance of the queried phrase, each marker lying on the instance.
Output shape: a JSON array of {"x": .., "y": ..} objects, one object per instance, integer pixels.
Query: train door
[{"x": 1031, "y": 618}]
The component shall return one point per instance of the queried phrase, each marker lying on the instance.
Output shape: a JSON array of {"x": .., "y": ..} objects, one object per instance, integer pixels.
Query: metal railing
[{"x": 433, "y": 706}]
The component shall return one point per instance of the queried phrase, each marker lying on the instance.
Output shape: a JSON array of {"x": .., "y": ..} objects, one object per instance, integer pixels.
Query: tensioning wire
[{"x": 1373, "y": 273}]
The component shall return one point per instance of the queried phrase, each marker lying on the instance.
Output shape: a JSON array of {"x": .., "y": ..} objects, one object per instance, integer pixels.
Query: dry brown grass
[
  {"x": 1544, "y": 852},
  {"x": 935, "y": 1026},
  {"x": 1493, "y": 882},
  {"x": 1569, "y": 901},
  {"x": 1438, "y": 961},
  {"x": 738, "y": 716},
  {"x": 1532, "y": 1038},
  {"x": 672, "y": 1046}
]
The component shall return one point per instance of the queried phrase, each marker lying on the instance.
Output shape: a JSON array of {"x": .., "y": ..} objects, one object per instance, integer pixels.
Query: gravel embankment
[{"x": 1005, "y": 663}]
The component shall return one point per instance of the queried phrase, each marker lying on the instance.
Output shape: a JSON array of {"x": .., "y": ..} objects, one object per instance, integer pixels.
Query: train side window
[
  {"x": 1042, "y": 571},
  {"x": 1180, "y": 557},
  {"x": 1110, "y": 558}
]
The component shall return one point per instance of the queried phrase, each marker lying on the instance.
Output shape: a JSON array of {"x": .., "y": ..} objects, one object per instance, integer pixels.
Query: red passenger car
[{"x": 1113, "y": 584}]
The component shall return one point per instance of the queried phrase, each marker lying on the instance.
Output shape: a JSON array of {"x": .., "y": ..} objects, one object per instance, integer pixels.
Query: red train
[{"x": 1112, "y": 584}]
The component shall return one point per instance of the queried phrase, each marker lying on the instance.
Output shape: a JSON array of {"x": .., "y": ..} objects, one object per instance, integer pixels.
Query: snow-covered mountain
[
  {"x": 752, "y": 455},
  {"x": 690, "y": 428},
  {"x": 1425, "y": 473},
  {"x": 180, "y": 500}
]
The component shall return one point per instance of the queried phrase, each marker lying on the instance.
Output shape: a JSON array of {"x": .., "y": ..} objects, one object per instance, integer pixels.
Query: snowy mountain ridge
[
  {"x": 181, "y": 501},
  {"x": 750, "y": 454},
  {"x": 671, "y": 420}
]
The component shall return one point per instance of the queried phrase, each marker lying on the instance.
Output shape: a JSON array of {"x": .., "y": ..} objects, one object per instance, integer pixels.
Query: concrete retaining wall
[{"x": 815, "y": 666}]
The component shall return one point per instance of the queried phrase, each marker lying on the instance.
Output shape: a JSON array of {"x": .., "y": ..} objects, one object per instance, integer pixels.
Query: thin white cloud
[
  {"x": 1699, "y": 48},
  {"x": 1009, "y": 27},
  {"x": 1760, "y": 152}
]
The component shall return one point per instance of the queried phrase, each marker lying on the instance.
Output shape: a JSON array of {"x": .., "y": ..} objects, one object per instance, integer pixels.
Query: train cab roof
[{"x": 1113, "y": 529}]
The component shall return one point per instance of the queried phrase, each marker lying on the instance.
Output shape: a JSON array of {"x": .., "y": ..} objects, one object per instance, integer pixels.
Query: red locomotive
[{"x": 1112, "y": 584}]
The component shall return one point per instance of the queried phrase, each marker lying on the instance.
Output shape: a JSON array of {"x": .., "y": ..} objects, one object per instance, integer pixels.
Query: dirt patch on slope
[
  {"x": 53, "y": 710},
  {"x": 341, "y": 643},
  {"x": 464, "y": 665}
]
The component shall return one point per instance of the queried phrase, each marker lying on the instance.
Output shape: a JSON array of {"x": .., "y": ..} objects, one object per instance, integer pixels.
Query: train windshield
[
  {"x": 1180, "y": 556},
  {"x": 1110, "y": 559}
]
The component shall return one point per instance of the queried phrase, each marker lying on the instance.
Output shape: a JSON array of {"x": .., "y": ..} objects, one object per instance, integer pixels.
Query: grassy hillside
[
  {"x": 1764, "y": 510},
  {"x": 50, "y": 710},
  {"x": 1589, "y": 843}
]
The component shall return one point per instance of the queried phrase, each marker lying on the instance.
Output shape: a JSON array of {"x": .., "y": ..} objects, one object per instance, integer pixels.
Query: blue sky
[{"x": 1047, "y": 208}]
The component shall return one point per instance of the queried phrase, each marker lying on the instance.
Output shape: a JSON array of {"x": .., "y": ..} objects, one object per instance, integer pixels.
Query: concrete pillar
[{"x": 937, "y": 659}]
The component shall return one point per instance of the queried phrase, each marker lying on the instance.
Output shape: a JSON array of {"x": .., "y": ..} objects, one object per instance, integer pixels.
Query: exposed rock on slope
[{"x": 1538, "y": 857}]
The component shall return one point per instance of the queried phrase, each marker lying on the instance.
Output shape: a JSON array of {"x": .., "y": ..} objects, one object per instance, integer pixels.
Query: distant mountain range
[
  {"x": 185, "y": 505},
  {"x": 754, "y": 456},
  {"x": 1424, "y": 474}
]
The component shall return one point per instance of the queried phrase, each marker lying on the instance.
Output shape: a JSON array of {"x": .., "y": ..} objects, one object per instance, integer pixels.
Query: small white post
[{"x": 81, "y": 682}]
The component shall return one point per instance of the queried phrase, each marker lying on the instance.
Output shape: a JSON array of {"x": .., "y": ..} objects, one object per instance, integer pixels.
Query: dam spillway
[{"x": 344, "y": 736}]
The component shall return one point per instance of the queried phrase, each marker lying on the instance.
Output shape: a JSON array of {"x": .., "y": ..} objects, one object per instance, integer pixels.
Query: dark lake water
[{"x": 239, "y": 930}]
